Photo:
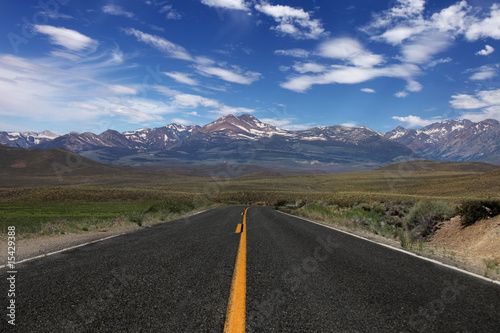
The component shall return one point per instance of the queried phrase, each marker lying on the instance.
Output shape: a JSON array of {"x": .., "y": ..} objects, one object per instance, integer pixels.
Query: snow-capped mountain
[
  {"x": 242, "y": 127},
  {"x": 161, "y": 137},
  {"x": 25, "y": 139},
  {"x": 235, "y": 139},
  {"x": 338, "y": 133},
  {"x": 453, "y": 140}
]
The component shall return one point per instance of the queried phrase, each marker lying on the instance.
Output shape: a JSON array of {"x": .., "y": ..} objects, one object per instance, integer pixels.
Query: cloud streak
[
  {"x": 293, "y": 22},
  {"x": 69, "y": 39}
]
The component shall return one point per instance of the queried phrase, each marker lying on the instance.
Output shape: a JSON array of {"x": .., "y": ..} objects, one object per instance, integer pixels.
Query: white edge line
[
  {"x": 80, "y": 245},
  {"x": 66, "y": 249},
  {"x": 398, "y": 249}
]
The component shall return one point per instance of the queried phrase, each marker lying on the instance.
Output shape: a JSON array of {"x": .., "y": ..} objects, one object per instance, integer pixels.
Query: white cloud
[
  {"x": 181, "y": 121},
  {"x": 397, "y": 35},
  {"x": 57, "y": 15},
  {"x": 170, "y": 13},
  {"x": 278, "y": 122},
  {"x": 401, "y": 94},
  {"x": 492, "y": 112},
  {"x": 182, "y": 78},
  {"x": 69, "y": 39},
  {"x": 368, "y": 90},
  {"x": 488, "y": 27},
  {"x": 349, "y": 124},
  {"x": 117, "y": 10},
  {"x": 414, "y": 121},
  {"x": 225, "y": 110},
  {"x": 405, "y": 11},
  {"x": 287, "y": 123},
  {"x": 309, "y": 67},
  {"x": 423, "y": 49},
  {"x": 297, "y": 53},
  {"x": 170, "y": 49},
  {"x": 181, "y": 101},
  {"x": 485, "y": 98},
  {"x": 350, "y": 75},
  {"x": 122, "y": 90},
  {"x": 227, "y": 4},
  {"x": 235, "y": 76},
  {"x": 413, "y": 86},
  {"x": 487, "y": 50},
  {"x": 52, "y": 90},
  {"x": 194, "y": 101},
  {"x": 349, "y": 50},
  {"x": 298, "y": 127},
  {"x": 294, "y": 22},
  {"x": 454, "y": 19},
  {"x": 484, "y": 72},
  {"x": 434, "y": 63}
]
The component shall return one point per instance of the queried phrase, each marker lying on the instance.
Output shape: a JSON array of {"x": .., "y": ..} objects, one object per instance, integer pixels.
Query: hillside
[
  {"x": 236, "y": 140},
  {"x": 21, "y": 167},
  {"x": 453, "y": 140},
  {"x": 426, "y": 165}
]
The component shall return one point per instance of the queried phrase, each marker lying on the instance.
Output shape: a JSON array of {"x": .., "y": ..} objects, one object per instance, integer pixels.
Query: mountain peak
[{"x": 241, "y": 127}]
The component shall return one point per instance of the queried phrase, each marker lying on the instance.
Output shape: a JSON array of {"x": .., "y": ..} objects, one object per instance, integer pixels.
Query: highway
[{"x": 297, "y": 277}]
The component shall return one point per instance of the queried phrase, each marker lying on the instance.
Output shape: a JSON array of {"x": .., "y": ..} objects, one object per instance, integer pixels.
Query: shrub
[
  {"x": 425, "y": 215},
  {"x": 380, "y": 210},
  {"x": 280, "y": 203},
  {"x": 473, "y": 211},
  {"x": 315, "y": 207},
  {"x": 137, "y": 218},
  {"x": 170, "y": 207}
]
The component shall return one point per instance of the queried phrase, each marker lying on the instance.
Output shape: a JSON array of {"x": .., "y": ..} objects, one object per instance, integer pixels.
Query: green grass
[
  {"x": 346, "y": 198},
  {"x": 31, "y": 217},
  {"x": 66, "y": 217}
]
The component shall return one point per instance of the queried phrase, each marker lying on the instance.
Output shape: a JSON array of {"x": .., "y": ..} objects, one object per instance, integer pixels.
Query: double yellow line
[{"x": 235, "y": 316}]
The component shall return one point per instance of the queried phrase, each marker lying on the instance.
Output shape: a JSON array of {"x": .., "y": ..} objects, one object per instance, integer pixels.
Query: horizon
[
  {"x": 88, "y": 67},
  {"x": 318, "y": 126}
]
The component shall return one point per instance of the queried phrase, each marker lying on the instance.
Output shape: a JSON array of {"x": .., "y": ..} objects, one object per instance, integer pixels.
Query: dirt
[
  {"x": 469, "y": 247},
  {"x": 466, "y": 248},
  {"x": 41, "y": 245}
]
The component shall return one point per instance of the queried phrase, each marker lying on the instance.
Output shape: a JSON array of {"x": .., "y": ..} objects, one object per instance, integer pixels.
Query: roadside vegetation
[
  {"x": 404, "y": 203},
  {"x": 53, "y": 217},
  {"x": 409, "y": 223}
]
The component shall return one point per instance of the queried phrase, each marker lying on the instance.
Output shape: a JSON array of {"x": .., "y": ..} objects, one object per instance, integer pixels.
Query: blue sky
[{"x": 68, "y": 65}]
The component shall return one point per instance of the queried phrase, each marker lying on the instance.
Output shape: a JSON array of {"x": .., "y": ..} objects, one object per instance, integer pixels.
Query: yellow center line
[{"x": 235, "y": 316}]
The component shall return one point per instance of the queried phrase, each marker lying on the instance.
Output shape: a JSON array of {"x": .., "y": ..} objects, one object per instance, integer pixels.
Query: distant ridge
[
  {"x": 431, "y": 166},
  {"x": 246, "y": 140},
  {"x": 453, "y": 140},
  {"x": 46, "y": 162}
]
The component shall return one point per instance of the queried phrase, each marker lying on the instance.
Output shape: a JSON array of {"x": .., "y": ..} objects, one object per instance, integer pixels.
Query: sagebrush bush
[
  {"x": 170, "y": 207},
  {"x": 425, "y": 215},
  {"x": 315, "y": 207},
  {"x": 472, "y": 211}
]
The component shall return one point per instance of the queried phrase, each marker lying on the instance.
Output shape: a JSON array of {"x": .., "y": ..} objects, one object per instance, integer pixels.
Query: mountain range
[
  {"x": 453, "y": 140},
  {"x": 247, "y": 140}
]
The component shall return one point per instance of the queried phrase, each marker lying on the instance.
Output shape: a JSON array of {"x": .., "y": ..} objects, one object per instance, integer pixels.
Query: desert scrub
[
  {"x": 492, "y": 265},
  {"x": 317, "y": 208},
  {"x": 171, "y": 207},
  {"x": 423, "y": 218},
  {"x": 472, "y": 211}
]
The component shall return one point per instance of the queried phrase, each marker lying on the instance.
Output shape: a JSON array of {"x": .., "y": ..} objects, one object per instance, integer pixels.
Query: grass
[
  {"x": 408, "y": 223},
  {"x": 376, "y": 200},
  {"x": 42, "y": 218}
]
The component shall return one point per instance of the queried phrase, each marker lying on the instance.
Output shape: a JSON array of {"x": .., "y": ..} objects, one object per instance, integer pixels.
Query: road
[{"x": 300, "y": 277}]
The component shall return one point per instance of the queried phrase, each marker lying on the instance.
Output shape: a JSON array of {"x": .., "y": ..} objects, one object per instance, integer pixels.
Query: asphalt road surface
[{"x": 300, "y": 277}]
